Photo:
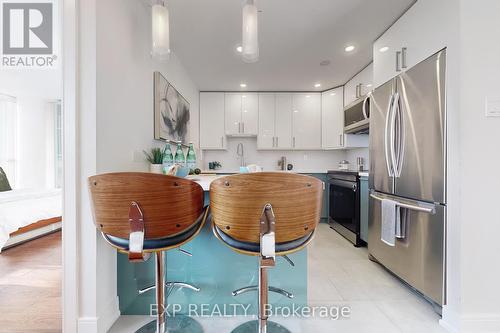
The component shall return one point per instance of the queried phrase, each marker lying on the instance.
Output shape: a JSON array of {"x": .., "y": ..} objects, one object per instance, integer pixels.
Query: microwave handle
[{"x": 364, "y": 106}]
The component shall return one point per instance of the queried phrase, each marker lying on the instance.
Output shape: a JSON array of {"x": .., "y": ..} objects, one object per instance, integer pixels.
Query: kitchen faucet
[{"x": 240, "y": 153}]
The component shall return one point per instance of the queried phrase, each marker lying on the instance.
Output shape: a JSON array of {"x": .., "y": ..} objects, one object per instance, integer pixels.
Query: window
[
  {"x": 58, "y": 148},
  {"x": 8, "y": 136}
]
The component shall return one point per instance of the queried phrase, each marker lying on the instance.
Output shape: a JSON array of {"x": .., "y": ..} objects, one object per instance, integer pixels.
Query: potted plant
[{"x": 155, "y": 159}]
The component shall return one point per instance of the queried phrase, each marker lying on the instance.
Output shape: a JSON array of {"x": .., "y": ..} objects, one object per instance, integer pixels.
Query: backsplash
[
  {"x": 353, "y": 154},
  {"x": 303, "y": 161}
]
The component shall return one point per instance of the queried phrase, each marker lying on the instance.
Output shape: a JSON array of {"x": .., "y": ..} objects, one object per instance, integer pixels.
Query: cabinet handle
[
  {"x": 242, "y": 127},
  {"x": 274, "y": 141},
  {"x": 340, "y": 140},
  {"x": 398, "y": 66},
  {"x": 222, "y": 142},
  {"x": 239, "y": 127},
  {"x": 277, "y": 142},
  {"x": 293, "y": 142},
  {"x": 403, "y": 57},
  {"x": 357, "y": 91}
]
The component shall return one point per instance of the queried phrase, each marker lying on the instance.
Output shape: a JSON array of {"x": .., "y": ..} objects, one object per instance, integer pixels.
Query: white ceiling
[{"x": 295, "y": 36}]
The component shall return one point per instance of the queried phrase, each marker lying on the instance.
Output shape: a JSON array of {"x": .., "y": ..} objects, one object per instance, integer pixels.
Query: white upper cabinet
[
  {"x": 283, "y": 129},
  {"x": 422, "y": 31},
  {"x": 332, "y": 118},
  {"x": 212, "y": 134},
  {"x": 267, "y": 119},
  {"x": 250, "y": 114},
  {"x": 306, "y": 121},
  {"x": 359, "y": 85},
  {"x": 241, "y": 114},
  {"x": 275, "y": 121}
]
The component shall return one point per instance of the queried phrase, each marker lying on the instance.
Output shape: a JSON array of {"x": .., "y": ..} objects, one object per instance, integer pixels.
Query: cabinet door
[
  {"x": 212, "y": 135},
  {"x": 283, "y": 125},
  {"x": 265, "y": 138},
  {"x": 332, "y": 118},
  {"x": 233, "y": 113},
  {"x": 365, "y": 79},
  {"x": 350, "y": 91},
  {"x": 306, "y": 121},
  {"x": 249, "y": 114}
]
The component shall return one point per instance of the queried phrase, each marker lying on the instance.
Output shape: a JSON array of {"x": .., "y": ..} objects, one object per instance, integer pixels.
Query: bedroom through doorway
[{"x": 31, "y": 171}]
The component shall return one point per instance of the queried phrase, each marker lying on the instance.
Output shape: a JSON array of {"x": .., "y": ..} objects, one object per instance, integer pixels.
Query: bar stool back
[
  {"x": 265, "y": 214},
  {"x": 144, "y": 213}
]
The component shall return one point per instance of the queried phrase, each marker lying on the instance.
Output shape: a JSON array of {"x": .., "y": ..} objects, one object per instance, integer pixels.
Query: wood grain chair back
[
  {"x": 170, "y": 205},
  {"x": 237, "y": 202}
]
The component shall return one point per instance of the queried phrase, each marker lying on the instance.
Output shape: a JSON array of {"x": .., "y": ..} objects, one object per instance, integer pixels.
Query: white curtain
[{"x": 8, "y": 136}]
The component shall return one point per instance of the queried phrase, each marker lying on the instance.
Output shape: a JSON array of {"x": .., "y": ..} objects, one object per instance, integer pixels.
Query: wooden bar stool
[
  {"x": 143, "y": 213},
  {"x": 265, "y": 214}
]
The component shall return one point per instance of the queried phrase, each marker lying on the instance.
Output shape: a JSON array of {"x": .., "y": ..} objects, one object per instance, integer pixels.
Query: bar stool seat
[
  {"x": 141, "y": 214},
  {"x": 265, "y": 214},
  {"x": 153, "y": 245},
  {"x": 254, "y": 248}
]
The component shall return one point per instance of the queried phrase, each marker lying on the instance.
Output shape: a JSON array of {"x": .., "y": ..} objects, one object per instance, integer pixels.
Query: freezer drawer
[{"x": 418, "y": 259}]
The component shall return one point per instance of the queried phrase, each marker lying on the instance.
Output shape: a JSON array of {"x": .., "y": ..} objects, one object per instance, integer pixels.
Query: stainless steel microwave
[{"x": 357, "y": 116}]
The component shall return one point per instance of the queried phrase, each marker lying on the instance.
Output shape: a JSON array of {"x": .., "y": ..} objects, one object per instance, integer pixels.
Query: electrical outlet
[{"x": 492, "y": 107}]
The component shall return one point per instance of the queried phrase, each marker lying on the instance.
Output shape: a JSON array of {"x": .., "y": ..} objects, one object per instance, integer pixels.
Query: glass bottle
[
  {"x": 168, "y": 158},
  {"x": 191, "y": 157},
  {"x": 180, "y": 159}
]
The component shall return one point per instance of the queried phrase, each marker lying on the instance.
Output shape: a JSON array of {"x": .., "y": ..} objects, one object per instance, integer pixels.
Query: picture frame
[{"x": 171, "y": 112}]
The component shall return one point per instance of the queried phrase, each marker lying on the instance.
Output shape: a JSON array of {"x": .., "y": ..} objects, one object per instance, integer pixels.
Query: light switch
[{"x": 492, "y": 107}]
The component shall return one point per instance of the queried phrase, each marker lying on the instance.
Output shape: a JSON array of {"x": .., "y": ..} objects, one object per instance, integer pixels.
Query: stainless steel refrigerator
[{"x": 408, "y": 165}]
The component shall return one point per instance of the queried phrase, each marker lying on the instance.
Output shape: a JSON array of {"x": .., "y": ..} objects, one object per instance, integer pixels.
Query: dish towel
[{"x": 389, "y": 219}]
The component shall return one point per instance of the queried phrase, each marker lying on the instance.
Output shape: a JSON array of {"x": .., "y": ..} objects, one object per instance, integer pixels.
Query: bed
[{"x": 27, "y": 214}]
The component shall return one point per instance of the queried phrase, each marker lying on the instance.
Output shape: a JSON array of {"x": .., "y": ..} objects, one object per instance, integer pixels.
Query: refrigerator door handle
[
  {"x": 393, "y": 133},
  {"x": 401, "y": 137},
  {"x": 388, "y": 161},
  {"x": 424, "y": 207}
]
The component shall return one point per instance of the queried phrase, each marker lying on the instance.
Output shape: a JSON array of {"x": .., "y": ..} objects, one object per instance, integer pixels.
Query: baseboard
[
  {"x": 103, "y": 323},
  {"x": 450, "y": 320},
  {"x": 479, "y": 323}
]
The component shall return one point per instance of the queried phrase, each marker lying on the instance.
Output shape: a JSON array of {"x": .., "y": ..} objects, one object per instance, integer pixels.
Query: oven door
[{"x": 344, "y": 204}]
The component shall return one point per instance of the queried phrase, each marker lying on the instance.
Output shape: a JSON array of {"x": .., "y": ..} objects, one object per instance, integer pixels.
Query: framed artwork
[{"x": 171, "y": 112}]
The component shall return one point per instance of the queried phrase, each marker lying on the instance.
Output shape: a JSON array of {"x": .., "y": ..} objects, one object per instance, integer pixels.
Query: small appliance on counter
[
  {"x": 344, "y": 165},
  {"x": 361, "y": 164}
]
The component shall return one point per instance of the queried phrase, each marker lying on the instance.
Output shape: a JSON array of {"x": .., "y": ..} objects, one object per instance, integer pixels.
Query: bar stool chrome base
[
  {"x": 177, "y": 324},
  {"x": 253, "y": 327}
]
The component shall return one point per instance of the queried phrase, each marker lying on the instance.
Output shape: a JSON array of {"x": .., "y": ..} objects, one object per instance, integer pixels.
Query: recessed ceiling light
[
  {"x": 317, "y": 85},
  {"x": 383, "y": 49},
  {"x": 349, "y": 48},
  {"x": 369, "y": 85},
  {"x": 333, "y": 94},
  {"x": 243, "y": 85},
  {"x": 239, "y": 49},
  {"x": 308, "y": 96},
  {"x": 295, "y": 111}
]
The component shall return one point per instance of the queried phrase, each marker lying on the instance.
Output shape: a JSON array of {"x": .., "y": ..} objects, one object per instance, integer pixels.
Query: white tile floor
[{"x": 340, "y": 274}]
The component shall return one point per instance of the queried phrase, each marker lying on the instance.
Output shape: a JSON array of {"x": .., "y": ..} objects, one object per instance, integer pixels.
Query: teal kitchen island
[{"x": 216, "y": 270}]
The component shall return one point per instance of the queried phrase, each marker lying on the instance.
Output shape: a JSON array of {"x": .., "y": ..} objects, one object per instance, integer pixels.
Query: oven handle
[
  {"x": 344, "y": 183},
  {"x": 430, "y": 209}
]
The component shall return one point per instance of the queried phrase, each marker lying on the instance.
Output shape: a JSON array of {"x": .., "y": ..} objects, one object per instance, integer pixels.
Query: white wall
[
  {"x": 115, "y": 125},
  {"x": 125, "y": 85},
  {"x": 480, "y": 139},
  {"x": 353, "y": 154},
  {"x": 303, "y": 161}
]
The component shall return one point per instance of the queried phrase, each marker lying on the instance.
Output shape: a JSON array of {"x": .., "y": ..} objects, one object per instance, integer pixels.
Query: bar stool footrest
[
  {"x": 177, "y": 324},
  {"x": 256, "y": 288},
  {"x": 253, "y": 327}
]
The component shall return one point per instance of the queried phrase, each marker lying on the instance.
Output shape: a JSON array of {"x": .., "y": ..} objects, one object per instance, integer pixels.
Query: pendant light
[
  {"x": 160, "y": 30},
  {"x": 250, "y": 38}
]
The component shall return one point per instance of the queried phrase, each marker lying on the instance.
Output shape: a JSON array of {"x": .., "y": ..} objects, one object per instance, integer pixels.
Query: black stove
[{"x": 344, "y": 211}]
